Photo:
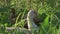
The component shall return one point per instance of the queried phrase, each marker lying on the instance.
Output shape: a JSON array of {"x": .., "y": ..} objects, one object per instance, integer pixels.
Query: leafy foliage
[{"x": 48, "y": 12}]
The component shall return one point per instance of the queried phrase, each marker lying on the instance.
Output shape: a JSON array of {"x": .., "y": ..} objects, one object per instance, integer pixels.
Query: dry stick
[{"x": 9, "y": 29}]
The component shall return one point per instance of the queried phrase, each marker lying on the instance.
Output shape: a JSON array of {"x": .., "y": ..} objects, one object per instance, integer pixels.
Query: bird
[
  {"x": 31, "y": 15},
  {"x": 30, "y": 19}
]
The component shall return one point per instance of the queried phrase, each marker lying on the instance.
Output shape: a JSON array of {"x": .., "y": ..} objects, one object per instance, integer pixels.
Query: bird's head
[{"x": 32, "y": 13}]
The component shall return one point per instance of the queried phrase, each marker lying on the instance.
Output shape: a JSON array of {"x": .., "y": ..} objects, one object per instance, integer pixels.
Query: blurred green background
[{"x": 48, "y": 11}]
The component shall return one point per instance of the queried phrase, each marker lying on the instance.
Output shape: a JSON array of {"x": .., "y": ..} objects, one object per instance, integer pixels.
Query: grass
[{"x": 49, "y": 25}]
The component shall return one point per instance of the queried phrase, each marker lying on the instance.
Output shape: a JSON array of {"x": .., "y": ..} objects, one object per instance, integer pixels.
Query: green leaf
[
  {"x": 45, "y": 24},
  {"x": 46, "y": 21}
]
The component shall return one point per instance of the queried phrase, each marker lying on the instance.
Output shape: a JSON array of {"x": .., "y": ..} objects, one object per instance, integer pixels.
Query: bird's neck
[{"x": 31, "y": 24}]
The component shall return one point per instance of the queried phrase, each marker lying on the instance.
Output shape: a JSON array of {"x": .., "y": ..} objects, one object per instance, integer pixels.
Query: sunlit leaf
[{"x": 46, "y": 21}]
